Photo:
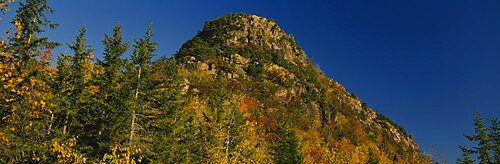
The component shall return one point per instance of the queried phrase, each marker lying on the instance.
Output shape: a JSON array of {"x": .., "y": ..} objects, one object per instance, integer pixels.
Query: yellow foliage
[
  {"x": 123, "y": 154},
  {"x": 254, "y": 148},
  {"x": 3, "y": 138},
  {"x": 93, "y": 89},
  {"x": 66, "y": 152},
  {"x": 310, "y": 144},
  {"x": 18, "y": 35}
]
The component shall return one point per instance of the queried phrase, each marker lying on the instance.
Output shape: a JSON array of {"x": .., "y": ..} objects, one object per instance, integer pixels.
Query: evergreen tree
[
  {"x": 287, "y": 148},
  {"x": 80, "y": 119},
  {"x": 111, "y": 83},
  {"x": 166, "y": 103},
  {"x": 486, "y": 138},
  {"x": 483, "y": 139},
  {"x": 31, "y": 21},
  {"x": 494, "y": 132},
  {"x": 62, "y": 89},
  {"x": 138, "y": 74},
  {"x": 113, "y": 63},
  {"x": 466, "y": 156},
  {"x": 26, "y": 86}
]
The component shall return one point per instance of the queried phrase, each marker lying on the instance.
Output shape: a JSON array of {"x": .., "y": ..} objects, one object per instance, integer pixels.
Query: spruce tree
[
  {"x": 494, "y": 132},
  {"x": 139, "y": 72},
  {"x": 31, "y": 22},
  {"x": 483, "y": 137},
  {"x": 166, "y": 103},
  {"x": 114, "y": 49},
  {"x": 112, "y": 106},
  {"x": 286, "y": 150},
  {"x": 80, "y": 120}
]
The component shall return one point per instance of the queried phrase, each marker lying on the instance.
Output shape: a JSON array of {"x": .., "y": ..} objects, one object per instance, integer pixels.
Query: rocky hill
[{"x": 260, "y": 62}]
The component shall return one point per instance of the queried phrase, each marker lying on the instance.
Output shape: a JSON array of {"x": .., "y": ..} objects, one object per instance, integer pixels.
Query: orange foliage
[
  {"x": 3, "y": 139},
  {"x": 248, "y": 104},
  {"x": 358, "y": 130},
  {"x": 342, "y": 145},
  {"x": 45, "y": 55}
]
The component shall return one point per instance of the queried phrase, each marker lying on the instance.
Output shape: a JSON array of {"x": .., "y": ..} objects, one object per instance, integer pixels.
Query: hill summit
[{"x": 295, "y": 102}]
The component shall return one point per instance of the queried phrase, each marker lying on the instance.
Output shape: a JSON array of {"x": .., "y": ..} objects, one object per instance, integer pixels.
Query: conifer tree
[
  {"x": 62, "y": 88},
  {"x": 138, "y": 73},
  {"x": 482, "y": 138},
  {"x": 166, "y": 103},
  {"x": 81, "y": 57},
  {"x": 111, "y": 83},
  {"x": 287, "y": 148},
  {"x": 485, "y": 138},
  {"x": 31, "y": 21},
  {"x": 115, "y": 48},
  {"x": 80, "y": 117},
  {"x": 26, "y": 90},
  {"x": 494, "y": 132}
]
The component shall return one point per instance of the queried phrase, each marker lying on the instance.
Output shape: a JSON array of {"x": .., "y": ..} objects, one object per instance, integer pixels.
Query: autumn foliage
[{"x": 140, "y": 110}]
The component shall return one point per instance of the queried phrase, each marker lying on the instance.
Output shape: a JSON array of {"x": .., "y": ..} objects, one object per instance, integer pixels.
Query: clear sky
[{"x": 426, "y": 64}]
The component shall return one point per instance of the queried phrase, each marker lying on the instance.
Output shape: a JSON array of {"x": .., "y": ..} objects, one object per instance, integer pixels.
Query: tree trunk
[
  {"x": 65, "y": 127},
  {"x": 51, "y": 121},
  {"x": 132, "y": 125}
]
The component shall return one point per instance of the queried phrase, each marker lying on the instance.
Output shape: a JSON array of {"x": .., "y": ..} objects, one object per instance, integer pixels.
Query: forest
[{"x": 225, "y": 97}]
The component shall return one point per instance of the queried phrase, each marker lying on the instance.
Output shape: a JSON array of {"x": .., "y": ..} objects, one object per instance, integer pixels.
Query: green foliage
[
  {"x": 466, "y": 156},
  {"x": 385, "y": 119},
  {"x": 494, "y": 132},
  {"x": 255, "y": 71},
  {"x": 372, "y": 159},
  {"x": 217, "y": 29},
  {"x": 486, "y": 139},
  {"x": 287, "y": 149},
  {"x": 30, "y": 21}
]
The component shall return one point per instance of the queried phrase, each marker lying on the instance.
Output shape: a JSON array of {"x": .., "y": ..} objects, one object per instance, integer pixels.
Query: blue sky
[{"x": 425, "y": 64}]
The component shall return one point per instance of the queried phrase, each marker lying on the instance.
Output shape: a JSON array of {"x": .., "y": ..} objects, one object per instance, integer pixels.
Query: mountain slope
[{"x": 281, "y": 103}]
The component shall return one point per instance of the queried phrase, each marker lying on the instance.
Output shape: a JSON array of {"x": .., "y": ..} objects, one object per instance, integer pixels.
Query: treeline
[{"x": 84, "y": 109}]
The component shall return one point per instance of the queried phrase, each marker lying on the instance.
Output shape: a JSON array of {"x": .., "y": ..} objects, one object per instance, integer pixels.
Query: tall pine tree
[
  {"x": 484, "y": 137},
  {"x": 31, "y": 21},
  {"x": 112, "y": 106},
  {"x": 140, "y": 91}
]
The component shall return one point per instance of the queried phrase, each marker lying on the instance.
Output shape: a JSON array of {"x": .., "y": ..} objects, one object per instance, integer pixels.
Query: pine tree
[
  {"x": 112, "y": 106},
  {"x": 61, "y": 87},
  {"x": 31, "y": 21},
  {"x": 482, "y": 138},
  {"x": 80, "y": 118},
  {"x": 113, "y": 63},
  {"x": 494, "y": 133},
  {"x": 139, "y": 72},
  {"x": 485, "y": 137},
  {"x": 287, "y": 148},
  {"x": 166, "y": 103}
]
